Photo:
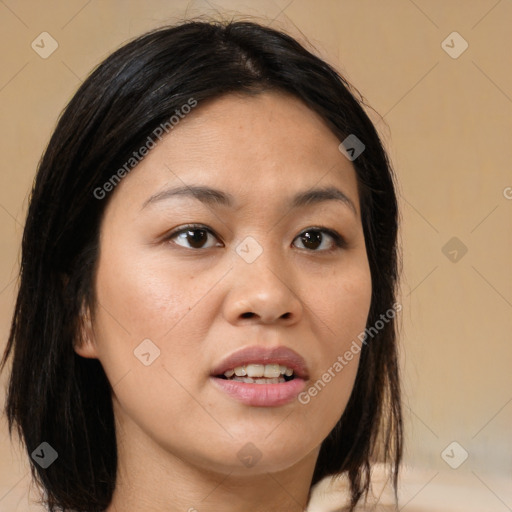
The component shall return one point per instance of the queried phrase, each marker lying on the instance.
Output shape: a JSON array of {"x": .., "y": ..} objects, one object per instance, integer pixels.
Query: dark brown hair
[{"x": 56, "y": 396}]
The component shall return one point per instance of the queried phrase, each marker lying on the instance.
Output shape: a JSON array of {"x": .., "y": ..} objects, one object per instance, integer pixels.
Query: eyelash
[{"x": 338, "y": 241}]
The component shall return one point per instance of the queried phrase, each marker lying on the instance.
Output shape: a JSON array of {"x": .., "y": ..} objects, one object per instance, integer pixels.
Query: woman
[{"x": 206, "y": 312}]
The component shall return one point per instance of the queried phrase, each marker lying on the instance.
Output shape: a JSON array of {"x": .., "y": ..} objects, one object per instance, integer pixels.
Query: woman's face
[{"x": 256, "y": 273}]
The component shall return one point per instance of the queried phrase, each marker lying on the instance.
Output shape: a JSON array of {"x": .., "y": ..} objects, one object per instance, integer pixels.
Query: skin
[{"x": 178, "y": 436}]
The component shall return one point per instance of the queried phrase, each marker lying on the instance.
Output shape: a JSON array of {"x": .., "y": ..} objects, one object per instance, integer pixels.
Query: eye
[
  {"x": 313, "y": 238},
  {"x": 195, "y": 235}
]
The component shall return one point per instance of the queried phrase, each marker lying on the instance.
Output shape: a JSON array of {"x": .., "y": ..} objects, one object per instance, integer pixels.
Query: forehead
[
  {"x": 272, "y": 124},
  {"x": 263, "y": 146}
]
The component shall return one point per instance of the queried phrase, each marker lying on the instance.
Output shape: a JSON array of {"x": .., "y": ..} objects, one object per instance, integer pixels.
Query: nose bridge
[
  {"x": 261, "y": 254},
  {"x": 262, "y": 284}
]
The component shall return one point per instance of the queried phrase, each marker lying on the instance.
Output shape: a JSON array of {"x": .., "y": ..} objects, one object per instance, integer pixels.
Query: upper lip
[{"x": 257, "y": 354}]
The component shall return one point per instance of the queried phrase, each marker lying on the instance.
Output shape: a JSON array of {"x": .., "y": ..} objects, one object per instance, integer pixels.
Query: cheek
[
  {"x": 147, "y": 296},
  {"x": 152, "y": 298},
  {"x": 343, "y": 308},
  {"x": 324, "y": 400},
  {"x": 146, "y": 307},
  {"x": 344, "y": 303},
  {"x": 133, "y": 307}
]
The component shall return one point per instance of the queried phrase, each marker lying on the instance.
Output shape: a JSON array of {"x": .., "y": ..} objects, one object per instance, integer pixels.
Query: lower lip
[{"x": 261, "y": 395}]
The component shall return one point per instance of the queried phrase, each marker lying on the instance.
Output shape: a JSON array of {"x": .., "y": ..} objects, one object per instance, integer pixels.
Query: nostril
[{"x": 249, "y": 314}]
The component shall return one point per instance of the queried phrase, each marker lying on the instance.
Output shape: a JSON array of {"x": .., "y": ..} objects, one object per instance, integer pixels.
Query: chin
[{"x": 261, "y": 453}]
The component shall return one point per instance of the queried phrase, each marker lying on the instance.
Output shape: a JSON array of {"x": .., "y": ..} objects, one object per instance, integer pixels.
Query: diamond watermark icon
[
  {"x": 249, "y": 249},
  {"x": 146, "y": 352},
  {"x": 249, "y": 455},
  {"x": 351, "y": 147},
  {"x": 454, "y": 455},
  {"x": 44, "y": 45},
  {"x": 45, "y": 455},
  {"x": 454, "y": 249},
  {"x": 454, "y": 45}
]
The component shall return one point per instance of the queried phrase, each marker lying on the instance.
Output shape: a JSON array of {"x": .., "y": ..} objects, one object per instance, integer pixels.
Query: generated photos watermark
[
  {"x": 137, "y": 156},
  {"x": 343, "y": 360}
]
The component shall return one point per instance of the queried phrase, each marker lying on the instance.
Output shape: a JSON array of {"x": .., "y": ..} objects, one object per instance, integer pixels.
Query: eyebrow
[{"x": 215, "y": 197}]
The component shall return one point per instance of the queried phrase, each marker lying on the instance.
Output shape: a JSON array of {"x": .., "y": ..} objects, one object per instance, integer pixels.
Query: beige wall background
[{"x": 447, "y": 121}]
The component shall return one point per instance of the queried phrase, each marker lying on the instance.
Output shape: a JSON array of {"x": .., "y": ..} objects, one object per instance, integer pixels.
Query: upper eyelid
[{"x": 189, "y": 227}]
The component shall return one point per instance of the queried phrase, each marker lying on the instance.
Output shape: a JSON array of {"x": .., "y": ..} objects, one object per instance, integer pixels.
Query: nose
[{"x": 262, "y": 292}]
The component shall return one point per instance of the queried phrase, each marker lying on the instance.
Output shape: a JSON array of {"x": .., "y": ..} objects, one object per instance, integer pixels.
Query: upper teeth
[{"x": 269, "y": 371}]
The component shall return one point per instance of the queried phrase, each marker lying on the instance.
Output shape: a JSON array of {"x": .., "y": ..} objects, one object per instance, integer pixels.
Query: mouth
[
  {"x": 254, "y": 373},
  {"x": 263, "y": 377}
]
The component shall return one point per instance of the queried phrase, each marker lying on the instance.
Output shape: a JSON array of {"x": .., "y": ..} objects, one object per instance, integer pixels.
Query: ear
[{"x": 85, "y": 345}]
